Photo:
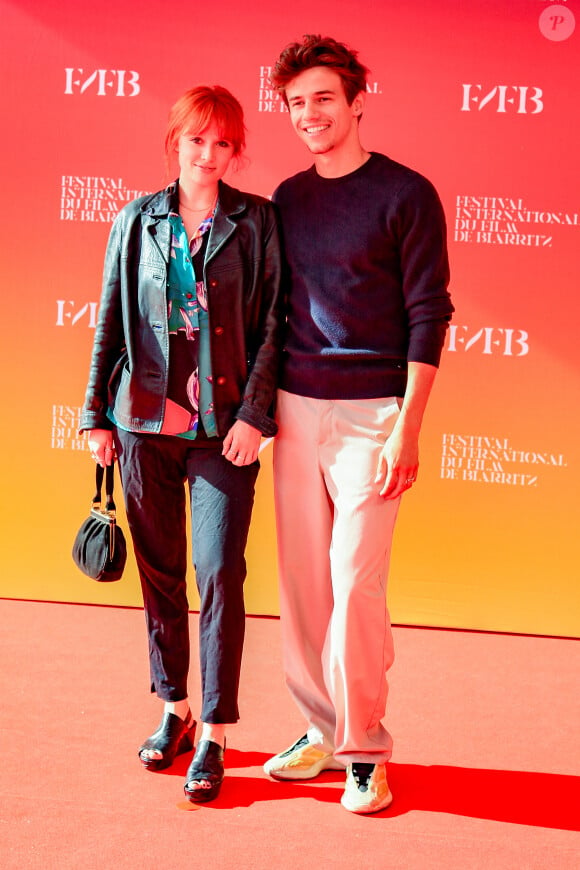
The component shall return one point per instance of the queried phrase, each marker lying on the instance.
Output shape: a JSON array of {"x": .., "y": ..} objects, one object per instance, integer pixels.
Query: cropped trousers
[
  {"x": 154, "y": 470},
  {"x": 334, "y": 543}
]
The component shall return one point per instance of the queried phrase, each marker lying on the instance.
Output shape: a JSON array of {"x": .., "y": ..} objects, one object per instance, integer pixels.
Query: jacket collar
[{"x": 230, "y": 201}]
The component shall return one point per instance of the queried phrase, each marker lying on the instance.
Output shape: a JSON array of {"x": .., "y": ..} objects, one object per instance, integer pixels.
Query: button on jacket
[{"x": 242, "y": 272}]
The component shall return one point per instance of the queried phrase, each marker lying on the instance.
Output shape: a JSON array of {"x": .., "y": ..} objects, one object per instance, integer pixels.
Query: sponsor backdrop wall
[{"x": 482, "y": 98}]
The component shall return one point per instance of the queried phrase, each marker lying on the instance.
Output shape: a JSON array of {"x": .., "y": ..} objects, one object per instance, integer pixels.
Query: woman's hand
[
  {"x": 242, "y": 444},
  {"x": 101, "y": 446}
]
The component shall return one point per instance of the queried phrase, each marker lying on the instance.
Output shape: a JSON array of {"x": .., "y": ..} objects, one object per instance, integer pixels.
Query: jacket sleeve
[
  {"x": 257, "y": 407},
  {"x": 108, "y": 344}
]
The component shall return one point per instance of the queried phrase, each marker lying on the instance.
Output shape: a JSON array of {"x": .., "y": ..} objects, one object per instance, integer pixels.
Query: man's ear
[{"x": 358, "y": 104}]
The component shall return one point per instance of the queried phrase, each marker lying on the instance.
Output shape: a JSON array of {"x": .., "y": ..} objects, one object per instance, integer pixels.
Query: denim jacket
[{"x": 243, "y": 268}]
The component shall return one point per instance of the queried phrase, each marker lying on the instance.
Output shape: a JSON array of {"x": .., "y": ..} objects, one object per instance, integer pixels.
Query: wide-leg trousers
[
  {"x": 334, "y": 542},
  {"x": 154, "y": 470}
]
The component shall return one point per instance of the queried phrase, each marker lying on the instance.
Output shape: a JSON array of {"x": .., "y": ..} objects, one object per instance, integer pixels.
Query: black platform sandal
[
  {"x": 173, "y": 737},
  {"x": 207, "y": 765}
]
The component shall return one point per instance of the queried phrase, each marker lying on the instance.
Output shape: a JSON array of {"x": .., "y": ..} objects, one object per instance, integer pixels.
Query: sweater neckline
[{"x": 340, "y": 178}]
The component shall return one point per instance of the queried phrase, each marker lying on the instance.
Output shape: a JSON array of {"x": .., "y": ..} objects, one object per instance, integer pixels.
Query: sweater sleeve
[{"x": 422, "y": 234}]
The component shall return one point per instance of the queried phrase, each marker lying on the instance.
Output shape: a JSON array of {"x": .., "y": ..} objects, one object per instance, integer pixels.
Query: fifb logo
[
  {"x": 65, "y": 427},
  {"x": 522, "y": 99},
  {"x": 489, "y": 340},
  {"x": 103, "y": 82},
  {"x": 68, "y": 315}
]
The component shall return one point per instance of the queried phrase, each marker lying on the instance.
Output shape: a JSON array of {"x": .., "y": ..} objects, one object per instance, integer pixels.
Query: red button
[
  {"x": 221, "y": 380},
  {"x": 219, "y": 330}
]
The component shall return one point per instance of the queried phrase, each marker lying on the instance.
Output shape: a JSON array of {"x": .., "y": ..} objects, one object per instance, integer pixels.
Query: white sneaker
[
  {"x": 302, "y": 760},
  {"x": 366, "y": 790}
]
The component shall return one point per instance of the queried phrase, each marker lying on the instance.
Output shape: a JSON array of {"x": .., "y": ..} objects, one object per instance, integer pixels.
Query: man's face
[{"x": 320, "y": 113}]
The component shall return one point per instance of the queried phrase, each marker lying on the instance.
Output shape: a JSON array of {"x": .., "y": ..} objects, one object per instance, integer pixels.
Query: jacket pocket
[{"x": 116, "y": 375}]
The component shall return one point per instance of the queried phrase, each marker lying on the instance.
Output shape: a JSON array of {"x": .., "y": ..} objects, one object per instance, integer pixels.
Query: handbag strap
[{"x": 109, "y": 474}]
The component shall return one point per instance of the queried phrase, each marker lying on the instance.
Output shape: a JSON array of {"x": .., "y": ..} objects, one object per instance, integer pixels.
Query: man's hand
[
  {"x": 399, "y": 460},
  {"x": 398, "y": 463}
]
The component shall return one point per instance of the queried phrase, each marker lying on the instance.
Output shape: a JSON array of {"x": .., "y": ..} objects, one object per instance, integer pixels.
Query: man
[{"x": 368, "y": 310}]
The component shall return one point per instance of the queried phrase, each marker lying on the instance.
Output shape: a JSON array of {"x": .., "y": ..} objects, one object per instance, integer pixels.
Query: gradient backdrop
[{"x": 482, "y": 98}]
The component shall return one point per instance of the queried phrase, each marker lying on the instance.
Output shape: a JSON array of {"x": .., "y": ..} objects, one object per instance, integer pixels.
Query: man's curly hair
[{"x": 316, "y": 50}]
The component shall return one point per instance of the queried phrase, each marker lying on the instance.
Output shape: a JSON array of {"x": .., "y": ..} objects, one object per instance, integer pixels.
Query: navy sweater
[{"x": 368, "y": 268}]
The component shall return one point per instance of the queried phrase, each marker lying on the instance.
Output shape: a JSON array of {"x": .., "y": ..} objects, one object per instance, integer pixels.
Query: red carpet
[{"x": 485, "y": 773}]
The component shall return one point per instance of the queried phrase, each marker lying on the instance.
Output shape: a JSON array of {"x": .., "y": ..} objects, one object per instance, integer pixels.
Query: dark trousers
[{"x": 154, "y": 469}]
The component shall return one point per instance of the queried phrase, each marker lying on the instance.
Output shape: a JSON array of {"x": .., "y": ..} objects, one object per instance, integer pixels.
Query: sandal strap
[
  {"x": 207, "y": 763},
  {"x": 169, "y": 733}
]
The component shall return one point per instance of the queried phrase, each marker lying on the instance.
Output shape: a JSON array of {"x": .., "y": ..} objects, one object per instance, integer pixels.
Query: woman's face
[{"x": 204, "y": 157}]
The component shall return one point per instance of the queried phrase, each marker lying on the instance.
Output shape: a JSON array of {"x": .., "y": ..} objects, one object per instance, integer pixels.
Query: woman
[{"x": 181, "y": 386}]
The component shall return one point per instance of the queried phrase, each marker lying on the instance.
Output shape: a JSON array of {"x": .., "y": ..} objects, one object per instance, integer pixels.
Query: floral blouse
[{"x": 189, "y": 404}]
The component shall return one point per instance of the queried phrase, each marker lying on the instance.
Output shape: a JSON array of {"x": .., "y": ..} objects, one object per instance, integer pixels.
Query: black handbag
[{"x": 100, "y": 549}]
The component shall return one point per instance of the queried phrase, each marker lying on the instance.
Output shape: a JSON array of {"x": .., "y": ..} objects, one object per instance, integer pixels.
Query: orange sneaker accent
[{"x": 302, "y": 760}]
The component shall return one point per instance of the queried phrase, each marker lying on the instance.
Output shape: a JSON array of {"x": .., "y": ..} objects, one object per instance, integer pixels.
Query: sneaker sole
[
  {"x": 308, "y": 773},
  {"x": 362, "y": 810}
]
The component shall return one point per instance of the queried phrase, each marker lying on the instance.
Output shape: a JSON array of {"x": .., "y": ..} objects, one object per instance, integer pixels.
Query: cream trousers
[{"x": 334, "y": 541}]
